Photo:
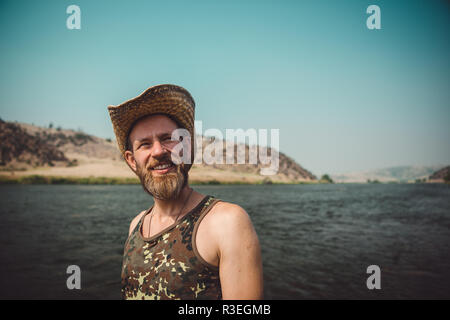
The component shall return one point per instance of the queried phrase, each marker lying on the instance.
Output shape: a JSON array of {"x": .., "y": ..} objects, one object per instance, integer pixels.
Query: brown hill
[
  {"x": 442, "y": 175},
  {"x": 29, "y": 149},
  {"x": 19, "y": 147}
]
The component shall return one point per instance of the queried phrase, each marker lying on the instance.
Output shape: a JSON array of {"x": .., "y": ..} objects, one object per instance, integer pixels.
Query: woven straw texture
[{"x": 167, "y": 99}]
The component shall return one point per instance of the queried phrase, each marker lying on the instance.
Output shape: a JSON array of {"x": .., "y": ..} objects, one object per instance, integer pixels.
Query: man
[{"x": 187, "y": 245}]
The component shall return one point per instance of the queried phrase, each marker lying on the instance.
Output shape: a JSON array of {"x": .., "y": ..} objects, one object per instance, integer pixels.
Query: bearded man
[{"x": 186, "y": 245}]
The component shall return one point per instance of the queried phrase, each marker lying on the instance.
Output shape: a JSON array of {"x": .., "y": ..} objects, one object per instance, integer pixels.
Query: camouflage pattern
[{"x": 167, "y": 267}]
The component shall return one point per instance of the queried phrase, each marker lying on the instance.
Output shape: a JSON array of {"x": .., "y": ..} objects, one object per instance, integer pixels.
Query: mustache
[
  {"x": 170, "y": 159},
  {"x": 156, "y": 162}
]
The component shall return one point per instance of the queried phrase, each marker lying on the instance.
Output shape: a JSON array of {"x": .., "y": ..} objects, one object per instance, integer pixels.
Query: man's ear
[{"x": 129, "y": 157}]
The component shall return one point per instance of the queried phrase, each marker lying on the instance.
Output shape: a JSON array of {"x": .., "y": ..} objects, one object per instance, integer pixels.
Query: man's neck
[{"x": 171, "y": 208}]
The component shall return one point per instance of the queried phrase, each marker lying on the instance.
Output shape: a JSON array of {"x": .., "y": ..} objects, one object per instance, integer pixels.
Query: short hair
[{"x": 128, "y": 145}]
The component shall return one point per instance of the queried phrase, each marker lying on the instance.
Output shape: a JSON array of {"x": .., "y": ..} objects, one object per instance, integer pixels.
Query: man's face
[{"x": 152, "y": 151}]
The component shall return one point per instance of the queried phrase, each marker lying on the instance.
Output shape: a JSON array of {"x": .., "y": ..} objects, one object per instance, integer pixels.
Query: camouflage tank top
[{"x": 168, "y": 265}]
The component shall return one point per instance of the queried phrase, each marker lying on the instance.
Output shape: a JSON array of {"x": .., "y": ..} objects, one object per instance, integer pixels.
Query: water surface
[{"x": 317, "y": 240}]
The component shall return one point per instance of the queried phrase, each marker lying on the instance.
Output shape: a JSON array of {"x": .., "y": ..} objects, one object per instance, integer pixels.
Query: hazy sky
[{"x": 344, "y": 97}]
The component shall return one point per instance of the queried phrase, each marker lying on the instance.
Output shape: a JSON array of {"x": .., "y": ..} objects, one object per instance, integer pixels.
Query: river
[{"x": 317, "y": 240}]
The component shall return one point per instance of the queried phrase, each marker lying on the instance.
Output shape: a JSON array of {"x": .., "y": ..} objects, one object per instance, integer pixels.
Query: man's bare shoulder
[
  {"x": 224, "y": 209},
  {"x": 135, "y": 221},
  {"x": 229, "y": 218}
]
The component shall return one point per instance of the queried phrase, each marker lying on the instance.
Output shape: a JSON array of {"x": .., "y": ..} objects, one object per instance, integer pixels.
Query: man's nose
[{"x": 158, "y": 149}]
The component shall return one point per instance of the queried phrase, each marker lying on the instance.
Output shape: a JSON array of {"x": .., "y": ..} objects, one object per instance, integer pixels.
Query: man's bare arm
[{"x": 240, "y": 263}]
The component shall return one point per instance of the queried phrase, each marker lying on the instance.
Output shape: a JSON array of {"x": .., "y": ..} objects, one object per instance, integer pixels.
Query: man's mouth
[{"x": 163, "y": 168}]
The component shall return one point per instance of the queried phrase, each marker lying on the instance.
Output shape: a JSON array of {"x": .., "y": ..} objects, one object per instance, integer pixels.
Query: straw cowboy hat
[{"x": 171, "y": 100}]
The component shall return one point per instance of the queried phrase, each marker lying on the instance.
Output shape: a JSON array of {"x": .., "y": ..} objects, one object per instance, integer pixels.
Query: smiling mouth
[{"x": 162, "y": 168}]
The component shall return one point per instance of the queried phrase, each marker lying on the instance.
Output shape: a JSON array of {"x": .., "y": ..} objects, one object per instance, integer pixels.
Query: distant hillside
[
  {"x": 442, "y": 175},
  {"x": 289, "y": 170},
  {"x": 74, "y": 142},
  {"x": 20, "y": 147},
  {"x": 31, "y": 150},
  {"x": 392, "y": 174}
]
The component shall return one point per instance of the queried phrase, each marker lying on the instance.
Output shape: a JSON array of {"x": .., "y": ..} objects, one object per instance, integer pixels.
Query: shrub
[
  {"x": 447, "y": 177},
  {"x": 326, "y": 178},
  {"x": 72, "y": 163},
  {"x": 34, "y": 179}
]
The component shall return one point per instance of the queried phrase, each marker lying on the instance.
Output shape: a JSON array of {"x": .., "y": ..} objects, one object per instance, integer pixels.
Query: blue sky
[{"x": 344, "y": 97}]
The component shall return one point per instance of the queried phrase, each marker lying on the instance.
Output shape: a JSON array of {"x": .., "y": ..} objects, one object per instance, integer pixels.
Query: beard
[{"x": 165, "y": 186}]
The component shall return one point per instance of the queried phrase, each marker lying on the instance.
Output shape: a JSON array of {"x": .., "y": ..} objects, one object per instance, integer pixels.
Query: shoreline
[
  {"x": 91, "y": 180},
  {"x": 71, "y": 180}
]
